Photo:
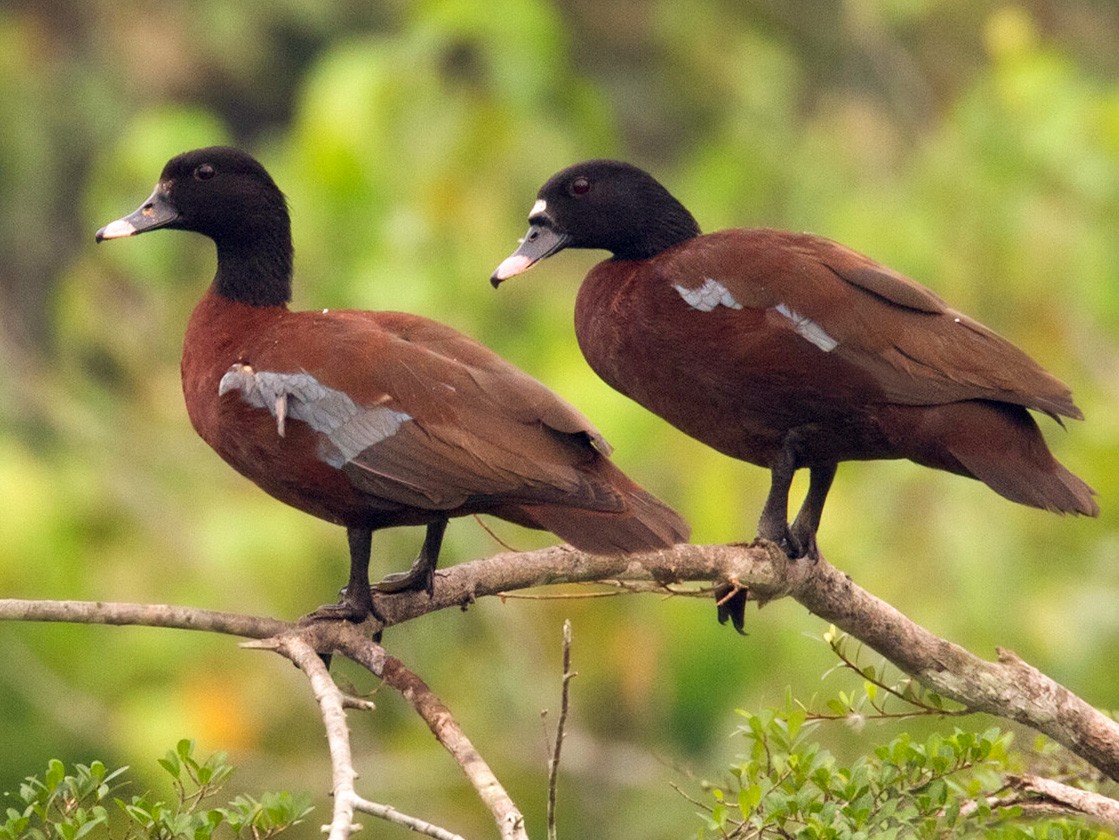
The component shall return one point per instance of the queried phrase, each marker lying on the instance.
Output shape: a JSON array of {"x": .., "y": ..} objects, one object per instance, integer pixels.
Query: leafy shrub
[
  {"x": 787, "y": 785},
  {"x": 70, "y": 806}
]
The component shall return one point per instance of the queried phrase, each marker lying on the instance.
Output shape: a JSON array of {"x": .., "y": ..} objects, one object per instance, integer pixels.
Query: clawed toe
[
  {"x": 414, "y": 580},
  {"x": 347, "y": 609},
  {"x": 796, "y": 547}
]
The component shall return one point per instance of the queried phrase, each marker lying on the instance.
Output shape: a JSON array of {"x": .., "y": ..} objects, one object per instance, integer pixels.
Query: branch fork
[{"x": 1009, "y": 687}]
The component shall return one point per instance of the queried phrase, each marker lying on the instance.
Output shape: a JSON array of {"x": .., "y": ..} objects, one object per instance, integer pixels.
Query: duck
[
  {"x": 791, "y": 351},
  {"x": 368, "y": 419}
]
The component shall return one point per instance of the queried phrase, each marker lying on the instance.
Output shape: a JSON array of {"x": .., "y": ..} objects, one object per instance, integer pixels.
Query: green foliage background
[{"x": 974, "y": 146}]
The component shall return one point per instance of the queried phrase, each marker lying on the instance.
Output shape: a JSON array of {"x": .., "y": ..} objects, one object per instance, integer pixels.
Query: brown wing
[
  {"x": 523, "y": 397},
  {"x": 416, "y": 413},
  {"x": 918, "y": 350}
]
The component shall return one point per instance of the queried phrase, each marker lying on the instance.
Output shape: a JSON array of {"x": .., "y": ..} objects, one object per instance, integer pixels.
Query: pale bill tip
[
  {"x": 511, "y": 266},
  {"x": 116, "y": 230}
]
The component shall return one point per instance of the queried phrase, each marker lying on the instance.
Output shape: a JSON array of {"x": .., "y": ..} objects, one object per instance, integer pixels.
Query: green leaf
[
  {"x": 87, "y": 827},
  {"x": 749, "y": 797},
  {"x": 719, "y": 815},
  {"x": 56, "y": 772},
  {"x": 171, "y": 764}
]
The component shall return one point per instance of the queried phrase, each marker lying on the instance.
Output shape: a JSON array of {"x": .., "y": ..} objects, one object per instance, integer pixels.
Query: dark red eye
[
  {"x": 580, "y": 186},
  {"x": 204, "y": 172}
]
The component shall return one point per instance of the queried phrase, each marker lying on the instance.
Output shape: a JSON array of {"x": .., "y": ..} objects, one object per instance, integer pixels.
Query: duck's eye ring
[
  {"x": 204, "y": 172},
  {"x": 580, "y": 186}
]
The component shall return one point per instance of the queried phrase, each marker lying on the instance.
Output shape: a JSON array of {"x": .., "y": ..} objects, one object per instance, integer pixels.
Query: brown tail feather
[
  {"x": 1001, "y": 445},
  {"x": 646, "y": 524}
]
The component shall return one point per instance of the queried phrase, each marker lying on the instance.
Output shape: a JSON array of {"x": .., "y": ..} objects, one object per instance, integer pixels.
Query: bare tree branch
[
  {"x": 1008, "y": 688},
  {"x": 331, "y": 702},
  {"x": 1039, "y": 792},
  {"x": 1045, "y": 798},
  {"x": 148, "y": 615},
  {"x": 390, "y": 814},
  {"x": 302, "y": 644},
  {"x": 565, "y": 695},
  {"x": 349, "y": 642}
]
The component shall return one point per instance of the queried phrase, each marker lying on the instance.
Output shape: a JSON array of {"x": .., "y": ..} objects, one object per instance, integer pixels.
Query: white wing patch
[
  {"x": 349, "y": 428},
  {"x": 709, "y": 296},
  {"x": 807, "y": 328}
]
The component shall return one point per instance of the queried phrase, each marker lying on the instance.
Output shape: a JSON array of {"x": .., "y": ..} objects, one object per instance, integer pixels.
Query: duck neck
[
  {"x": 669, "y": 225},
  {"x": 671, "y": 231},
  {"x": 258, "y": 273}
]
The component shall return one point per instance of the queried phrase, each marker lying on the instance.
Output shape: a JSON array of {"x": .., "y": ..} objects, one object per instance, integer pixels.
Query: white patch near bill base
[
  {"x": 707, "y": 297},
  {"x": 539, "y": 207},
  {"x": 349, "y": 428},
  {"x": 807, "y": 328}
]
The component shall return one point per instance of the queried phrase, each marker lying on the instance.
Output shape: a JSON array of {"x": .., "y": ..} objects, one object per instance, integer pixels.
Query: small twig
[
  {"x": 879, "y": 715},
  {"x": 553, "y": 764},
  {"x": 892, "y": 691},
  {"x": 493, "y": 534},
  {"x": 359, "y": 703},
  {"x": 558, "y": 596},
  {"x": 703, "y": 806},
  {"x": 390, "y": 814},
  {"x": 331, "y": 701},
  {"x": 300, "y": 646},
  {"x": 920, "y": 707},
  {"x": 698, "y": 803},
  {"x": 617, "y": 589},
  {"x": 441, "y": 722}
]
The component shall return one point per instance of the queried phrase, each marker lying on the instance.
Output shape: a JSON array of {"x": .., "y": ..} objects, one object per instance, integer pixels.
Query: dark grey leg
[
  {"x": 808, "y": 520},
  {"x": 422, "y": 573},
  {"x": 774, "y": 522},
  {"x": 356, "y": 603}
]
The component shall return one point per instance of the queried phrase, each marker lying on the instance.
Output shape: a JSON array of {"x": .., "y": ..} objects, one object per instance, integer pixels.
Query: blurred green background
[{"x": 972, "y": 145}]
